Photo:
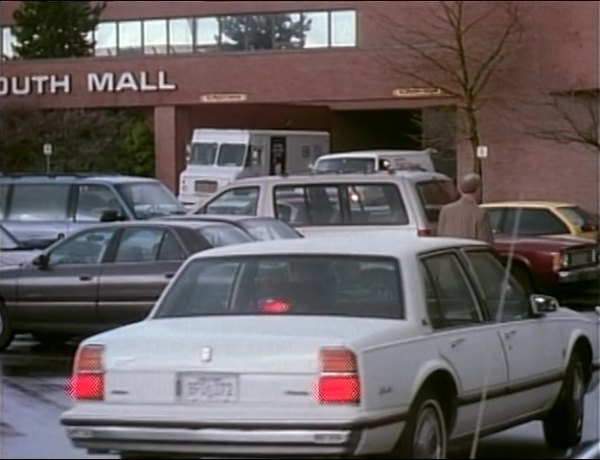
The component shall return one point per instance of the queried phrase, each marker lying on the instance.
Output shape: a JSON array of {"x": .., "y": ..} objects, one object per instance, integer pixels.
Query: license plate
[{"x": 200, "y": 387}]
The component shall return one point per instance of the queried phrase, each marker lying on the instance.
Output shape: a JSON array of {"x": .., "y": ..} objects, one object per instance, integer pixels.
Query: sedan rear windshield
[
  {"x": 319, "y": 285},
  {"x": 434, "y": 194}
]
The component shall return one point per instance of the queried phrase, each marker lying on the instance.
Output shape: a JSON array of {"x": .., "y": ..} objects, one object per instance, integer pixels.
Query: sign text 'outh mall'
[{"x": 97, "y": 82}]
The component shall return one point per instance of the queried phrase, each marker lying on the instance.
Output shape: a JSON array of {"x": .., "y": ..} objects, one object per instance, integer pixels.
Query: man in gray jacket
[{"x": 464, "y": 218}]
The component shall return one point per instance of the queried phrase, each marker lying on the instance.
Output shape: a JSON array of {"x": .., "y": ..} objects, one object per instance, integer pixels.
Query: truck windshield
[
  {"x": 203, "y": 153},
  {"x": 334, "y": 165},
  {"x": 231, "y": 155}
]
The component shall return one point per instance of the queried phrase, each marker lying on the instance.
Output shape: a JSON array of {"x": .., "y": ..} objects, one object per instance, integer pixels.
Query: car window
[
  {"x": 3, "y": 199},
  {"x": 170, "y": 248},
  {"x": 450, "y": 299},
  {"x": 291, "y": 284},
  {"x": 308, "y": 204},
  {"x": 376, "y": 204},
  {"x": 92, "y": 200},
  {"x": 434, "y": 194},
  {"x": 224, "y": 234},
  {"x": 88, "y": 247},
  {"x": 505, "y": 297},
  {"x": 495, "y": 216},
  {"x": 269, "y": 229},
  {"x": 149, "y": 199},
  {"x": 7, "y": 241},
  {"x": 237, "y": 201},
  {"x": 139, "y": 245},
  {"x": 579, "y": 217},
  {"x": 533, "y": 222},
  {"x": 31, "y": 202}
]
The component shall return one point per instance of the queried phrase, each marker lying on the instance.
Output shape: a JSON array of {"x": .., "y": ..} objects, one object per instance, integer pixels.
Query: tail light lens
[
  {"x": 87, "y": 381},
  {"x": 426, "y": 231},
  {"x": 339, "y": 382}
]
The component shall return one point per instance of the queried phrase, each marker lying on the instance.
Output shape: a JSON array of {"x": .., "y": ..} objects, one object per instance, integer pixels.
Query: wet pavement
[{"x": 33, "y": 398}]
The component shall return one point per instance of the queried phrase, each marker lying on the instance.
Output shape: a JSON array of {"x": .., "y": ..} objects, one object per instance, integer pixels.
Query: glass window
[
  {"x": 454, "y": 303},
  {"x": 233, "y": 33},
  {"x": 106, "y": 39},
  {"x": 155, "y": 36},
  {"x": 85, "y": 248},
  {"x": 317, "y": 31},
  {"x": 3, "y": 199},
  {"x": 181, "y": 35},
  {"x": 150, "y": 199},
  {"x": 505, "y": 298},
  {"x": 203, "y": 153},
  {"x": 130, "y": 37},
  {"x": 31, "y": 202},
  {"x": 376, "y": 204},
  {"x": 316, "y": 285},
  {"x": 231, "y": 154},
  {"x": 224, "y": 235},
  {"x": 93, "y": 200},
  {"x": 343, "y": 28},
  {"x": 288, "y": 30},
  {"x": 495, "y": 216},
  {"x": 269, "y": 229},
  {"x": 533, "y": 222},
  {"x": 139, "y": 245},
  {"x": 434, "y": 194},
  {"x": 346, "y": 165},
  {"x": 7, "y": 241},
  {"x": 8, "y": 40},
  {"x": 207, "y": 34},
  {"x": 579, "y": 217},
  {"x": 259, "y": 32},
  {"x": 170, "y": 248},
  {"x": 241, "y": 201},
  {"x": 308, "y": 205}
]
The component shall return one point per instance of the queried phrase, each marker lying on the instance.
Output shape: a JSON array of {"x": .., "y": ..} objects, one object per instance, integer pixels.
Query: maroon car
[{"x": 549, "y": 264}]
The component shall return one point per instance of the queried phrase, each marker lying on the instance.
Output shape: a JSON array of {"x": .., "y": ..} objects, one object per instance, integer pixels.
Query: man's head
[{"x": 470, "y": 185}]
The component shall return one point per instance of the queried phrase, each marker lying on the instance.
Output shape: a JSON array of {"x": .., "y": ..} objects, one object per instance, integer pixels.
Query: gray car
[
  {"x": 101, "y": 277},
  {"x": 39, "y": 208}
]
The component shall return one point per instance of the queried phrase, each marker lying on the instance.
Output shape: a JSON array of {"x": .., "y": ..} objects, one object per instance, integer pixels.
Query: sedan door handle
[
  {"x": 457, "y": 342},
  {"x": 169, "y": 275},
  {"x": 85, "y": 278}
]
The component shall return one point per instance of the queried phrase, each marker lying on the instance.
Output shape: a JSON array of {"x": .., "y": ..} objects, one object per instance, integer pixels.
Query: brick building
[{"x": 189, "y": 64}]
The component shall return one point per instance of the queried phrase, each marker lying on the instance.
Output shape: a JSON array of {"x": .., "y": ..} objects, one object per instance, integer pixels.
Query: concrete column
[{"x": 170, "y": 137}]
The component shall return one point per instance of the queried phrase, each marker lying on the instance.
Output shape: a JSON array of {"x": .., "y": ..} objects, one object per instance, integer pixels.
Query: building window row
[{"x": 302, "y": 30}]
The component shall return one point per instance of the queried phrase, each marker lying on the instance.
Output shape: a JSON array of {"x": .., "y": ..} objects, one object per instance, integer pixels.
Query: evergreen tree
[{"x": 55, "y": 29}]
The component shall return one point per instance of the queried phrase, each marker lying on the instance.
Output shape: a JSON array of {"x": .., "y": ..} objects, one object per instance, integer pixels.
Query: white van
[
  {"x": 374, "y": 160},
  {"x": 217, "y": 157}
]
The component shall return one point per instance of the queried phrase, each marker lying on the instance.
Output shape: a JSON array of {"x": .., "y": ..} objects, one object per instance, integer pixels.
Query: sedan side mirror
[
  {"x": 41, "y": 261},
  {"x": 542, "y": 304},
  {"x": 110, "y": 215}
]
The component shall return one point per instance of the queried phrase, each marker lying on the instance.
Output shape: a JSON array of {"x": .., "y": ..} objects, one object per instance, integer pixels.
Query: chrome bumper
[
  {"x": 579, "y": 275},
  {"x": 208, "y": 441}
]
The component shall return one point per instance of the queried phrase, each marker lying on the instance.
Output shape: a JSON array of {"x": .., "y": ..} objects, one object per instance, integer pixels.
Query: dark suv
[{"x": 39, "y": 208}]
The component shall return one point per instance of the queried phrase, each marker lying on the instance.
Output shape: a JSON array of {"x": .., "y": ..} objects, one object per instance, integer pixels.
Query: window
[
  {"x": 316, "y": 285},
  {"x": 86, "y": 248},
  {"x": 317, "y": 31},
  {"x": 241, "y": 201},
  {"x": 345, "y": 165},
  {"x": 207, "y": 34},
  {"x": 31, "y": 202},
  {"x": 155, "y": 36},
  {"x": 233, "y": 33},
  {"x": 3, "y": 199},
  {"x": 150, "y": 199},
  {"x": 231, "y": 154},
  {"x": 93, "y": 200},
  {"x": 376, "y": 204},
  {"x": 533, "y": 222},
  {"x": 7, "y": 241},
  {"x": 434, "y": 195},
  {"x": 130, "y": 37},
  {"x": 505, "y": 298},
  {"x": 288, "y": 31},
  {"x": 495, "y": 216},
  {"x": 579, "y": 217},
  {"x": 308, "y": 205},
  {"x": 139, "y": 245},
  {"x": 259, "y": 32},
  {"x": 269, "y": 229},
  {"x": 203, "y": 153},
  {"x": 343, "y": 28},
  {"x": 181, "y": 35},
  {"x": 106, "y": 39},
  {"x": 170, "y": 249},
  {"x": 223, "y": 235},
  {"x": 8, "y": 40},
  {"x": 450, "y": 300}
]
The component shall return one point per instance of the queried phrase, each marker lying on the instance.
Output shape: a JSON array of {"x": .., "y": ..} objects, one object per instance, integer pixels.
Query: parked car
[
  {"x": 333, "y": 347},
  {"x": 542, "y": 218},
  {"x": 551, "y": 265},
  {"x": 405, "y": 200},
  {"x": 42, "y": 207},
  {"x": 12, "y": 251},
  {"x": 374, "y": 160},
  {"x": 261, "y": 228},
  {"x": 101, "y": 277}
]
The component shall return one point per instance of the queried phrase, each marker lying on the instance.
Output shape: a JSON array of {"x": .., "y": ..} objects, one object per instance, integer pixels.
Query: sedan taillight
[
  {"x": 87, "y": 381},
  {"x": 339, "y": 382}
]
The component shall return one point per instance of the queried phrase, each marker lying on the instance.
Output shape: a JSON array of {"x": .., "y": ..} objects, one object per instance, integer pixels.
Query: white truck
[
  {"x": 374, "y": 160},
  {"x": 217, "y": 157}
]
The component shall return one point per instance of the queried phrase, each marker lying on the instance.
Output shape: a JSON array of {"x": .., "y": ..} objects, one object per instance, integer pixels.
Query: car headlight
[{"x": 560, "y": 260}]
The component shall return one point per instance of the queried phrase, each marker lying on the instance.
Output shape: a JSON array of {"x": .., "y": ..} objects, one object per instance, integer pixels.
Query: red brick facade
[{"x": 307, "y": 88}]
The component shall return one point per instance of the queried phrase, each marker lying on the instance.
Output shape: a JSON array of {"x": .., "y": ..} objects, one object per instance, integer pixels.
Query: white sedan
[{"x": 334, "y": 347}]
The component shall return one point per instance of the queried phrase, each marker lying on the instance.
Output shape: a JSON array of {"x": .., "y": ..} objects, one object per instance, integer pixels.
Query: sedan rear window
[
  {"x": 321, "y": 285},
  {"x": 434, "y": 194}
]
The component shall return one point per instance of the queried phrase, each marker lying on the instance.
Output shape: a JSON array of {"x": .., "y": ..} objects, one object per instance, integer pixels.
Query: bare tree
[{"x": 460, "y": 49}]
